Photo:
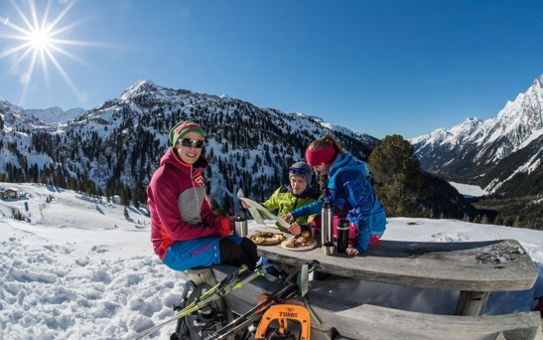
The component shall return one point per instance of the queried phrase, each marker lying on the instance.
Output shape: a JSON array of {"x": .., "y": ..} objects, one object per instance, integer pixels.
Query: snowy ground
[
  {"x": 468, "y": 190},
  {"x": 77, "y": 268}
]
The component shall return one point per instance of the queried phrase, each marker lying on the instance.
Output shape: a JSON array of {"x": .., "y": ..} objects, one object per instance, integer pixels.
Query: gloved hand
[{"x": 226, "y": 227}]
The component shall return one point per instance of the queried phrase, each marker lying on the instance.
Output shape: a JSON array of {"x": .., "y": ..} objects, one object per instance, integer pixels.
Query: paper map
[{"x": 260, "y": 213}]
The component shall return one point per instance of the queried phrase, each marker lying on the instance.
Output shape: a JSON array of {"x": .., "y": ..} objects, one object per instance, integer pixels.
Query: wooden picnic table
[{"x": 473, "y": 268}]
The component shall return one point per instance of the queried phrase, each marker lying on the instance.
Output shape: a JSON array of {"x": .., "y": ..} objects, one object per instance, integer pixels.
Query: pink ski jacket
[{"x": 180, "y": 209}]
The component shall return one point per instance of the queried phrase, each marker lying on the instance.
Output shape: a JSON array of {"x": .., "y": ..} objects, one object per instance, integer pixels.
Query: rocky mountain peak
[{"x": 138, "y": 88}]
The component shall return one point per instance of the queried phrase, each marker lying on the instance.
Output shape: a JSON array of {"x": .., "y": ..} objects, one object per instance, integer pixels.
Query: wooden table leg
[{"x": 471, "y": 303}]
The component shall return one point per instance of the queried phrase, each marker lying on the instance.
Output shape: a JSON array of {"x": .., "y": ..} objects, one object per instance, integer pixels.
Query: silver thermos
[
  {"x": 240, "y": 226},
  {"x": 327, "y": 217}
]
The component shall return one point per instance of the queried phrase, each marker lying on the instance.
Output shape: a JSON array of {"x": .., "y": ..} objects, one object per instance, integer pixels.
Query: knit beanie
[
  {"x": 301, "y": 169},
  {"x": 182, "y": 128}
]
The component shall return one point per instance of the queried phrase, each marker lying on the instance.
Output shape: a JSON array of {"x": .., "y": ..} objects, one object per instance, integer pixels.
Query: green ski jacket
[{"x": 283, "y": 201}]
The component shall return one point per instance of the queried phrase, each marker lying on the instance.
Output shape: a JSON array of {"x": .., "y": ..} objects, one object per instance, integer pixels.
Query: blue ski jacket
[{"x": 353, "y": 197}]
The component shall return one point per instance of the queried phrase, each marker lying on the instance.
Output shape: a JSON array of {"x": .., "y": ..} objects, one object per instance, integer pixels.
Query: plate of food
[
  {"x": 302, "y": 242},
  {"x": 267, "y": 238}
]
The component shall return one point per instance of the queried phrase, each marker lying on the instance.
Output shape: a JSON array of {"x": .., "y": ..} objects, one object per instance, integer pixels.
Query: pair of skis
[
  {"x": 232, "y": 281},
  {"x": 294, "y": 284}
]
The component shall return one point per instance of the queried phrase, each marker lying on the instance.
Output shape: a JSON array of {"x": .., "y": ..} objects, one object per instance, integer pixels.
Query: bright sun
[{"x": 40, "y": 42}]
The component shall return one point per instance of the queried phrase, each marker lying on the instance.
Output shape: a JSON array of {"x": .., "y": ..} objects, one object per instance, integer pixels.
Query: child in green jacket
[{"x": 297, "y": 194}]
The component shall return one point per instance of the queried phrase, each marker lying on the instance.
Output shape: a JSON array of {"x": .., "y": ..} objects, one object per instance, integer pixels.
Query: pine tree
[
  {"x": 397, "y": 174},
  {"x": 123, "y": 194}
]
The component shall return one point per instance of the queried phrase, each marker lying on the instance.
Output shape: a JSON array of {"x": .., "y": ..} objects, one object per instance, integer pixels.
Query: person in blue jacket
[{"x": 349, "y": 191}]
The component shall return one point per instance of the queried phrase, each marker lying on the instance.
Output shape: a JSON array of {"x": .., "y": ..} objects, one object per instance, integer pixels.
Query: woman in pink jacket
[{"x": 184, "y": 230}]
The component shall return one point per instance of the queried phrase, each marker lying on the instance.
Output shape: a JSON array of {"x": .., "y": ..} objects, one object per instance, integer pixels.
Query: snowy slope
[
  {"x": 468, "y": 190},
  {"x": 55, "y": 114},
  {"x": 69, "y": 273}
]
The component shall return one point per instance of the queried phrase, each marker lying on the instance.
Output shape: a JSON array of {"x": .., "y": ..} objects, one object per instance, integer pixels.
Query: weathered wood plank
[{"x": 501, "y": 265}]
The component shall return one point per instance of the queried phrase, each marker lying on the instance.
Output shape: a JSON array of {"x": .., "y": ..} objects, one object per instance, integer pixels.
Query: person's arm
[
  {"x": 271, "y": 203},
  {"x": 305, "y": 219},
  {"x": 165, "y": 198},
  {"x": 306, "y": 210},
  {"x": 358, "y": 191}
]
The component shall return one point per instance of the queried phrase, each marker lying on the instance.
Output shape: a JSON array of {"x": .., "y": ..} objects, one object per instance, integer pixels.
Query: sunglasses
[
  {"x": 297, "y": 171},
  {"x": 196, "y": 143}
]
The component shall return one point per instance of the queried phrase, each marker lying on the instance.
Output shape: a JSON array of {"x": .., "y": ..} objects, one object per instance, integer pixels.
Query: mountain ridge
[
  {"x": 116, "y": 146},
  {"x": 473, "y": 147}
]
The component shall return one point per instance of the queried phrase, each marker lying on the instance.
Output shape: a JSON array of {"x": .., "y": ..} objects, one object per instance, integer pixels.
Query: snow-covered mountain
[
  {"x": 55, "y": 114},
  {"x": 520, "y": 173},
  {"x": 115, "y": 148},
  {"x": 14, "y": 118},
  {"x": 76, "y": 267},
  {"x": 475, "y": 150}
]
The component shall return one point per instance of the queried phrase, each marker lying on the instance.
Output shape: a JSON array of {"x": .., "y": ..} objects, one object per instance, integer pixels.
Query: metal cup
[
  {"x": 240, "y": 227},
  {"x": 329, "y": 248}
]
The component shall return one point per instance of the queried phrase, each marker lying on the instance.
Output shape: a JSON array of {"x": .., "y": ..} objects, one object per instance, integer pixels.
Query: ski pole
[{"x": 214, "y": 293}]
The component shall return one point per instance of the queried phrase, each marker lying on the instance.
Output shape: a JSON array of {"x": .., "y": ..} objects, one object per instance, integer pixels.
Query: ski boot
[{"x": 198, "y": 325}]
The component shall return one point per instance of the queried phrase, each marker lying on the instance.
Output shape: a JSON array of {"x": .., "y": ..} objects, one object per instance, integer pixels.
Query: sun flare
[{"x": 40, "y": 41}]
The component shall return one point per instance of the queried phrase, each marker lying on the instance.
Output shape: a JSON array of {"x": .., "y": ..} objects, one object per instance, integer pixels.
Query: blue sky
[{"x": 378, "y": 67}]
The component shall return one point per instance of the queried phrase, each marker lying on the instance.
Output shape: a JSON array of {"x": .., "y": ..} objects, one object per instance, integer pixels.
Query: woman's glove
[{"x": 226, "y": 227}]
